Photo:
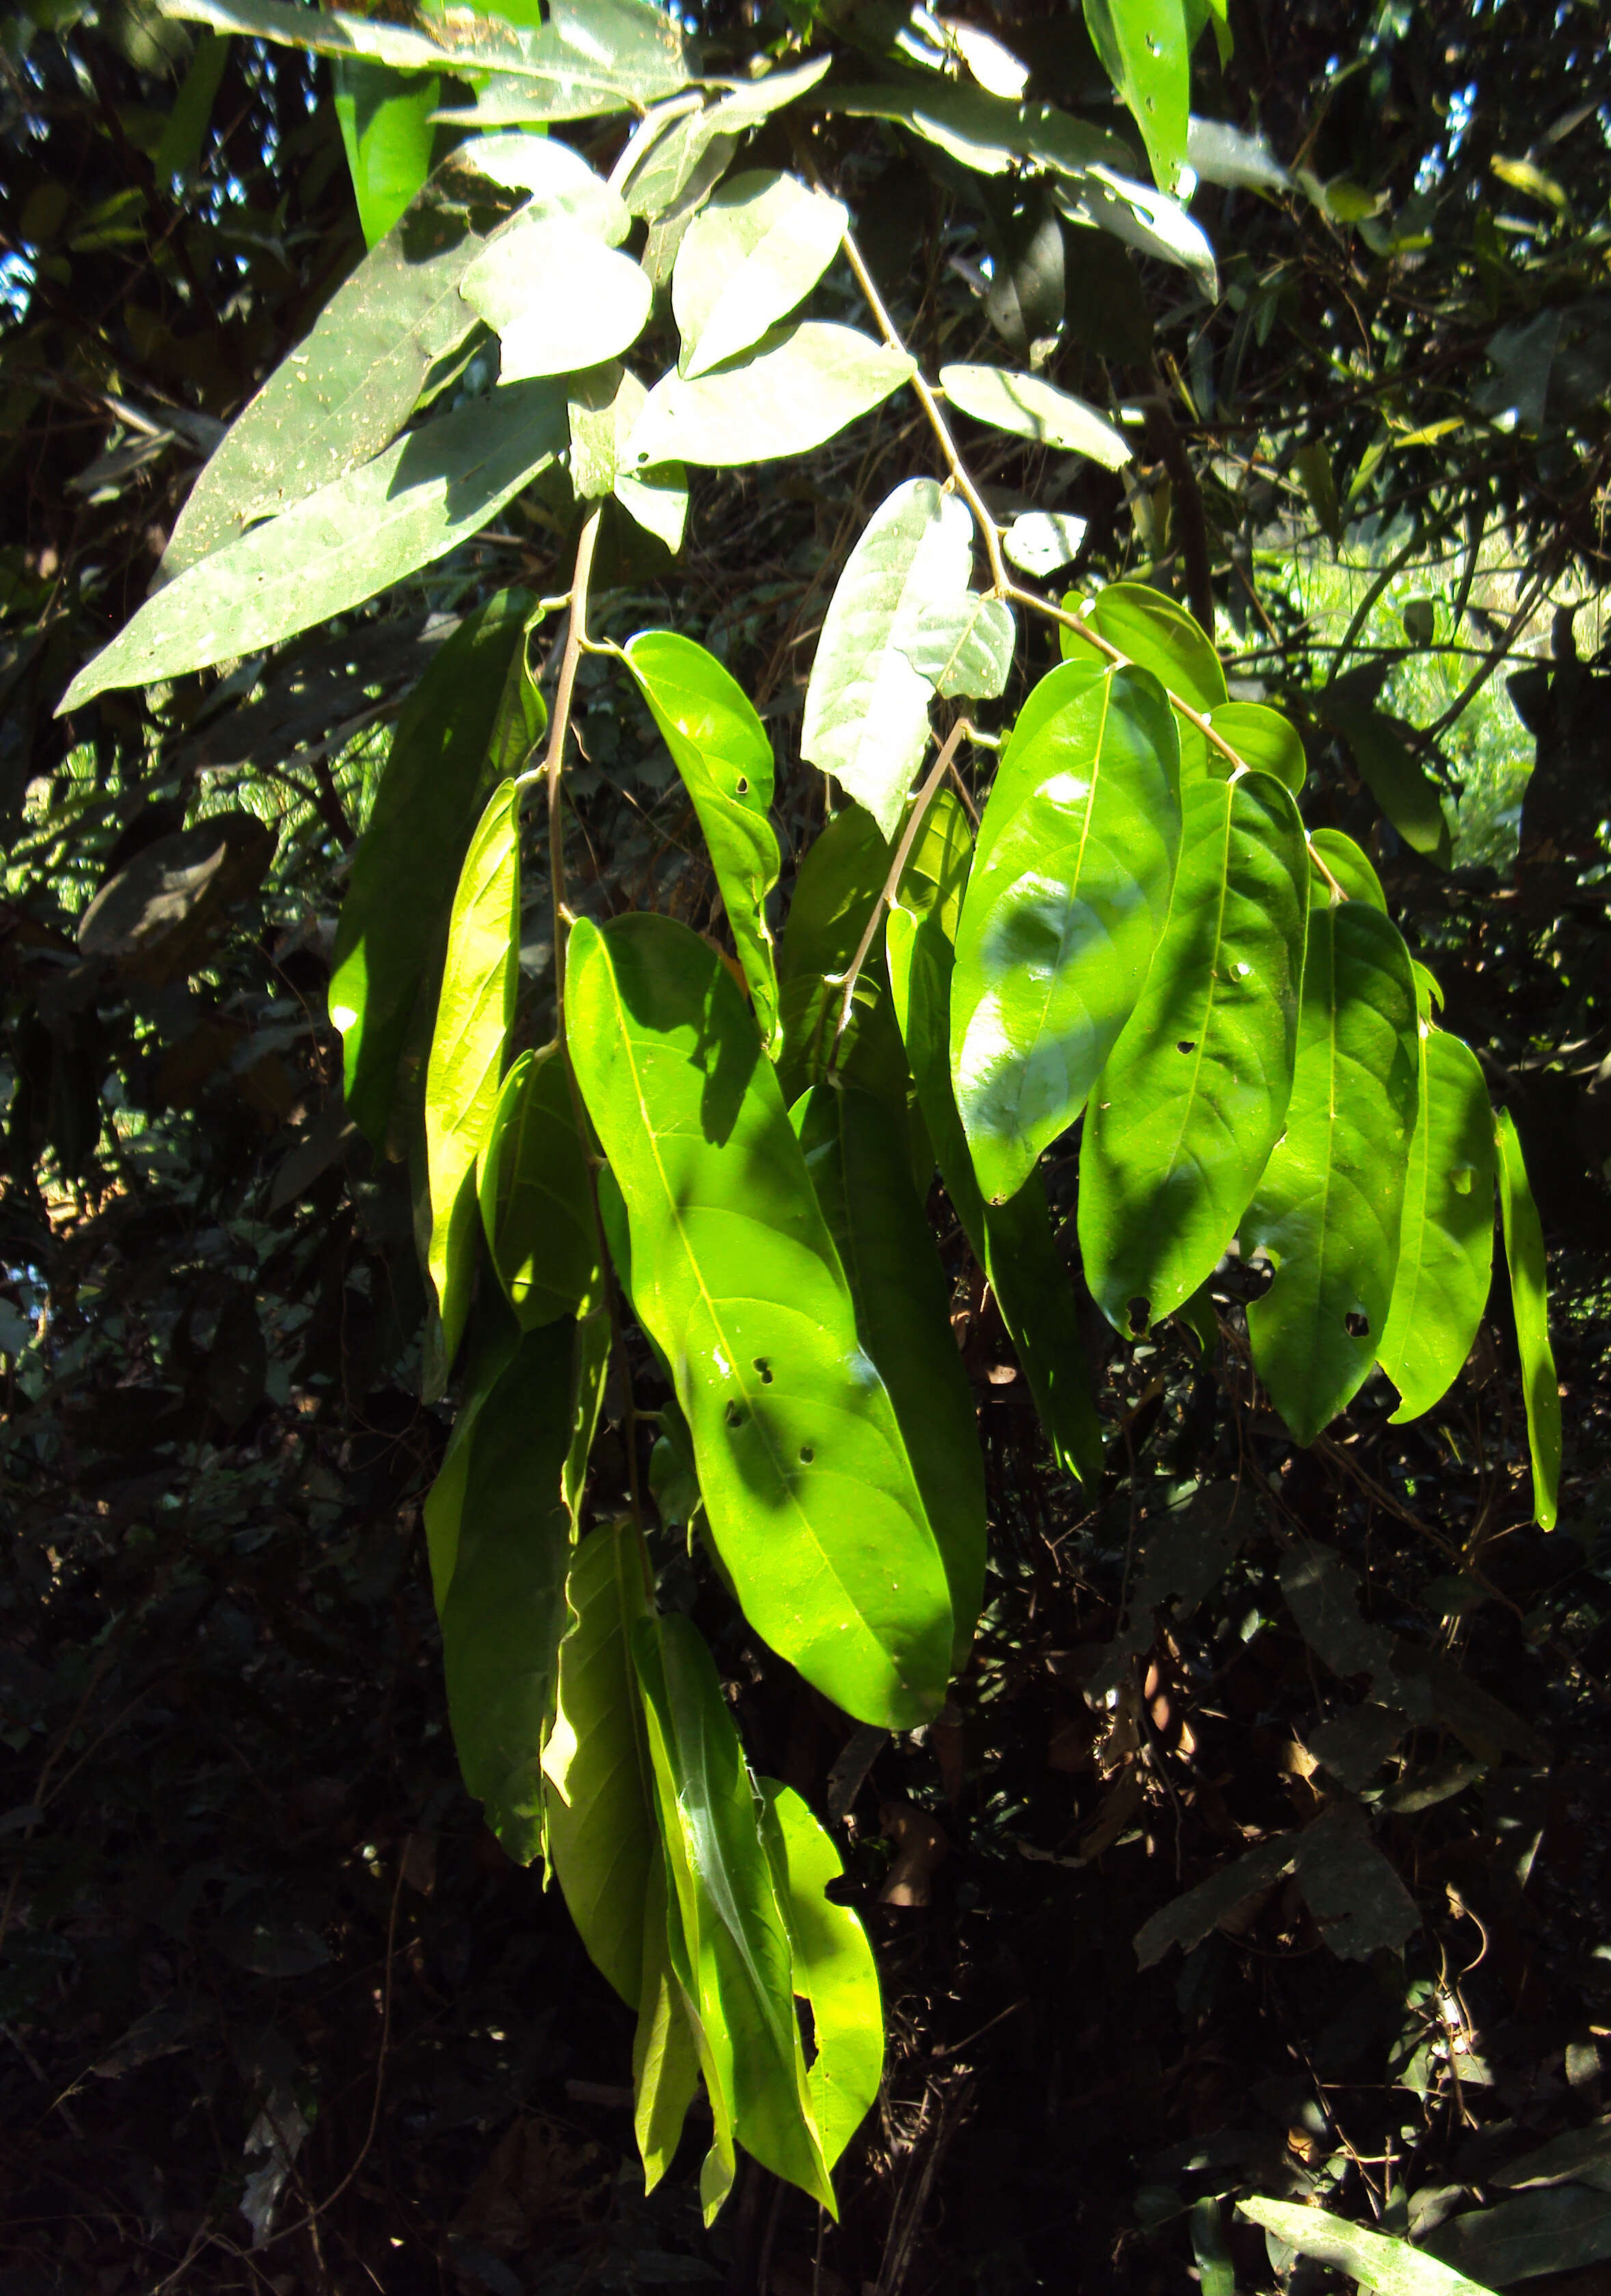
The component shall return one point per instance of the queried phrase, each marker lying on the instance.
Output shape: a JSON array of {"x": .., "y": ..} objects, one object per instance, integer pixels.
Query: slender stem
[
  {"x": 891, "y": 885},
  {"x": 1361, "y": 612},
  {"x": 575, "y": 636}
]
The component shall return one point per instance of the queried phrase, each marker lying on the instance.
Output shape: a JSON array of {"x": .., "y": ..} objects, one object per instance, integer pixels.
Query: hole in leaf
[
  {"x": 735, "y": 1414},
  {"x": 1140, "y": 1314},
  {"x": 1186, "y": 1045},
  {"x": 807, "y": 1454},
  {"x": 743, "y": 785},
  {"x": 765, "y": 1368},
  {"x": 1357, "y": 1323}
]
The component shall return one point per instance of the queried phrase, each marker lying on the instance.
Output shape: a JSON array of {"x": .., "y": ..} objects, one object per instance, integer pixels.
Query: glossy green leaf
[
  {"x": 388, "y": 128},
  {"x": 963, "y": 644},
  {"x": 1263, "y": 739},
  {"x": 1194, "y": 1095},
  {"x": 347, "y": 390},
  {"x": 559, "y": 300},
  {"x": 1375, "y": 2259},
  {"x": 1029, "y": 408},
  {"x": 1149, "y": 221},
  {"x": 664, "y": 2051},
  {"x": 465, "y": 1069},
  {"x": 1327, "y": 1208},
  {"x": 1530, "y": 1300},
  {"x": 503, "y": 1612},
  {"x": 1445, "y": 1257},
  {"x": 1152, "y": 631},
  {"x": 603, "y": 1827},
  {"x": 1147, "y": 53},
  {"x": 838, "y": 880},
  {"x": 1396, "y": 779},
  {"x": 1013, "y": 1241},
  {"x": 427, "y": 492},
  {"x": 1069, "y": 895},
  {"x": 390, "y": 934},
  {"x": 833, "y": 1968},
  {"x": 732, "y": 1932},
  {"x": 536, "y": 1208},
  {"x": 984, "y": 131},
  {"x": 750, "y": 259},
  {"x": 720, "y": 748},
  {"x": 866, "y": 703},
  {"x": 493, "y": 1341},
  {"x": 1351, "y": 867},
  {"x": 859, "y": 1170},
  {"x": 799, "y": 388},
  {"x": 810, "y": 1496}
]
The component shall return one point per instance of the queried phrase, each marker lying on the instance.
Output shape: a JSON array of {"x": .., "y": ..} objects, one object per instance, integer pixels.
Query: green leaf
[
  {"x": 473, "y": 1015},
  {"x": 388, "y": 128},
  {"x": 345, "y": 393},
  {"x": 492, "y": 1345},
  {"x": 1352, "y": 869},
  {"x": 732, "y": 1932},
  {"x": 537, "y": 1208},
  {"x": 1029, "y": 408},
  {"x": 603, "y": 407},
  {"x": 1218, "y": 153},
  {"x": 1445, "y": 1255},
  {"x": 1327, "y": 1208},
  {"x": 590, "y": 58},
  {"x": 720, "y": 748},
  {"x": 987, "y": 132},
  {"x": 836, "y": 884},
  {"x": 833, "y": 1967},
  {"x": 391, "y": 931},
  {"x": 1540, "y": 2233},
  {"x": 863, "y": 1179},
  {"x": 963, "y": 645},
  {"x": 561, "y": 183},
  {"x": 1147, "y": 220},
  {"x": 1194, "y": 1095},
  {"x": 1373, "y": 2258},
  {"x": 1069, "y": 895},
  {"x": 1263, "y": 739},
  {"x": 1396, "y": 779},
  {"x": 664, "y": 2051},
  {"x": 1529, "y": 1300},
  {"x": 428, "y": 492},
  {"x": 558, "y": 300},
  {"x": 866, "y": 704},
  {"x": 753, "y": 255},
  {"x": 1146, "y": 53},
  {"x": 811, "y": 1504},
  {"x": 1040, "y": 541},
  {"x": 1012, "y": 1242},
  {"x": 603, "y": 1830},
  {"x": 179, "y": 153},
  {"x": 798, "y": 390},
  {"x": 504, "y": 1608},
  {"x": 1162, "y": 637}
]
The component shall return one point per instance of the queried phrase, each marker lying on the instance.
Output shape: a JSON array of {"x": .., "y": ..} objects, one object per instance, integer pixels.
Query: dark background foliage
[{"x": 248, "y": 1913}]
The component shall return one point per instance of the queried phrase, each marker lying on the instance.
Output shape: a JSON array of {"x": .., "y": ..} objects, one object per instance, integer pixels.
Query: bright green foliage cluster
[{"x": 1140, "y": 935}]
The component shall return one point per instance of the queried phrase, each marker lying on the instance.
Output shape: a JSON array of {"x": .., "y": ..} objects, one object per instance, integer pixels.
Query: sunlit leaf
[
  {"x": 1446, "y": 1260},
  {"x": 833, "y": 1967},
  {"x": 963, "y": 645},
  {"x": 387, "y": 126},
  {"x": 1375, "y": 2259},
  {"x": 797, "y": 390},
  {"x": 1529, "y": 1300},
  {"x": 537, "y": 1208},
  {"x": 1029, "y": 408},
  {"x": 558, "y": 300},
  {"x": 1146, "y": 52},
  {"x": 750, "y": 257}
]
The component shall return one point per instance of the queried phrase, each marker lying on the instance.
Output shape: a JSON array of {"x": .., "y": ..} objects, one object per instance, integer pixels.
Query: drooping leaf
[
  {"x": 963, "y": 645},
  {"x": 412, "y": 504},
  {"x": 1040, "y": 541},
  {"x": 1067, "y": 896},
  {"x": 1263, "y": 739},
  {"x": 493, "y": 1340},
  {"x": 559, "y": 300},
  {"x": 1218, "y": 153},
  {"x": 1029, "y": 408},
  {"x": 1147, "y": 53},
  {"x": 504, "y": 1611},
  {"x": 867, "y": 704},
  {"x": 1446, "y": 1257},
  {"x": 732, "y": 1929},
  {"x": 347, "y": 390},
  {"x": 833, "y": 1967},
  {"x": 179, "y": 153},
  {"x": 604, "y": 1830},
  {"x": 1529, "y": 1300},
  {"x": 810, "y": 1496},
  {"x": 665, "y": 2052},
  {"x": 859, "y": 1170},
  {"x": 750, "y": 259},
  {"x": 1162, "y": 637},
  {"x": 1397, "y": 778},
  {"x": 387, "y": 124},
  {"x": 720, "y": 749},
  {"x": 838, "y": 883},
  {"x": 1375, "y": 2259},
  {"x": 389, "y": 936},
  {"x": 1141, "y": 218},
  {"x": 536, "y": 1210},
  {"x": 466, "y": 1067},
  {"x": 1194, "y": 1093},
  {"x": 799, "y": 388},
  {"x": 1012, "y": 1242},
  {"x": 1328, "y": 1206}
]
